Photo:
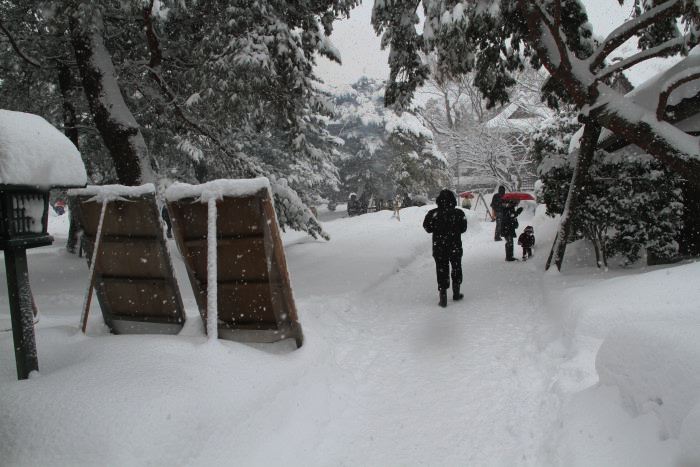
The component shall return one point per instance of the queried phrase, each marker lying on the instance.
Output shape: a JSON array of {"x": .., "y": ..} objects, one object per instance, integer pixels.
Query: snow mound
[
  {"x": 217, "y": 189},
  {"x": 663, "y": 295},
  {"x": 102, "y": 193},
  {"x": 656, "y": 367},
  {"x": 33, "y": 152}
]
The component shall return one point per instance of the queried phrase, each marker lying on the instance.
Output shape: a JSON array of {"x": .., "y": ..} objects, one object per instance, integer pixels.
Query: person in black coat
[
  {"x": 354, "y": 207},
  {"x": 527, "y": 241},
  {"x": 497, "y": 206},
  {"x": 508, "y": 226},
  {"x": 447, "y": 224}
]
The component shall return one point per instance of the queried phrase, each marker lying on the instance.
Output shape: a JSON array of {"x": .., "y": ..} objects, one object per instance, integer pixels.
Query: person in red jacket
[{"x": 447, "y": 224}]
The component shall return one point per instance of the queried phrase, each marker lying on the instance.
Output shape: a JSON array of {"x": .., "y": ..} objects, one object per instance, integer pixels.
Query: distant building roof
[{"x": 514, "y": 118}]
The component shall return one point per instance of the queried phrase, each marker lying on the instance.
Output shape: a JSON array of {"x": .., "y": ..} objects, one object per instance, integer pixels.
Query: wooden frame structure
[
  {"x": 133, "y": 274},
  {"x": 254, "y": 295}
]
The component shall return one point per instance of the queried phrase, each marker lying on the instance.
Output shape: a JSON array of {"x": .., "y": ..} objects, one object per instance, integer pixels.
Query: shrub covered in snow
[{"x": 632, "y": 202}]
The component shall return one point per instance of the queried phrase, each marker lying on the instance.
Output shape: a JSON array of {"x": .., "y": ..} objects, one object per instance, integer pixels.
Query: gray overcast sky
[{"x": 361, "y": 54}]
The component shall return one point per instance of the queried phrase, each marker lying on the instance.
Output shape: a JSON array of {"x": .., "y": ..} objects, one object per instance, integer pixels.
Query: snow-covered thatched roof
[
  {"x": 514, "y": 118},
  {"x": 33, "y": 152}
]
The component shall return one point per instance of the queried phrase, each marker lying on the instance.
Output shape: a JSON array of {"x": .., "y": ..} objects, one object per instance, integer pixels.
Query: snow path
[
  {"x": 470, "y": 373},
  {"x": 385, "y": 377}
]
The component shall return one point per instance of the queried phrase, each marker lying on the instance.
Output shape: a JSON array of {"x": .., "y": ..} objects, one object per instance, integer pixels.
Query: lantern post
[{"x": 23, "y": 224}]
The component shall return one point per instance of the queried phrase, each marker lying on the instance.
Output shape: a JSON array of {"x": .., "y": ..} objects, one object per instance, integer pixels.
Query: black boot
[
  {"x": 455, "y": 293},
  {"x": 443, "y": 298}
]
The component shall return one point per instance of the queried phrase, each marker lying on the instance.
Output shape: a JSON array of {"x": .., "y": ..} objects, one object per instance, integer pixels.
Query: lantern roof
[{"x": 33, "y": 152}]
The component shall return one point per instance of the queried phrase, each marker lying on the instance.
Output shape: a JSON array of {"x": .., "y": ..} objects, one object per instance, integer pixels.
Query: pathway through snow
[
  {"x": 385, "y": 377},
  {"x": 463, "y": 385}
]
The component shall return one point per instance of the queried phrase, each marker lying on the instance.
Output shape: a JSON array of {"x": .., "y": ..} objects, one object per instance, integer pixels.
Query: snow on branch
[
  {"x": 625, "y": 31},
  {"x": 677, "y": 80},
  {"x": 675, "y": 45},
  {"x": 553, "y": 38}
]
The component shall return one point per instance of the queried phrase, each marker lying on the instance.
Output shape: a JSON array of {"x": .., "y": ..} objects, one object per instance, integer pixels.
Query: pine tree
[{"x": 382, "y": 154}]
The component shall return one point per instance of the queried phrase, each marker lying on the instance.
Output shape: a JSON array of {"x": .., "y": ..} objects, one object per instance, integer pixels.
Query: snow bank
[
  {"x": 690, "y": 434},
  {"x": 598, "y": 431},
  {"x": 102, "y": 193},
  {"x": 670, "y": 294},
  {"x": 656, "y": 367},
  {"x": 33, "y": 152},
  {"x": 217, "y": 189}
]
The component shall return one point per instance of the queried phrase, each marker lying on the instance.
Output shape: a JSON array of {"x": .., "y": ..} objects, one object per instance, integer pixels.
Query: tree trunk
[
  {"x": 113, "y": 119},
  {"x": 66, "y": 85},
  {"x": 577, "y": 189},
  {"x": 689, "y": 236}
]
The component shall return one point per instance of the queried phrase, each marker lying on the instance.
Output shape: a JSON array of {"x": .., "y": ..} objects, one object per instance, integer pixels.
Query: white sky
[{"x": 362, "y": 56}]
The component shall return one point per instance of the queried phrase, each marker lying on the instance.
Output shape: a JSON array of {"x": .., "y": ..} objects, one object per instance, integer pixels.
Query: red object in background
[
  {"x": 466, "y": 194},
  {"x": 517, "y": 196}
]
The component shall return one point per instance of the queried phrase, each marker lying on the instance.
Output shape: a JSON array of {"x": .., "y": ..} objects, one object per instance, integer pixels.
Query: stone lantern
[{"x": 34, "y": 157}]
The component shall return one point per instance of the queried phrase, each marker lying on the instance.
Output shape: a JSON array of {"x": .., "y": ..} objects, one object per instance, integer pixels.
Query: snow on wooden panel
[
  {"x": 102, "y": 193},
  {"x": 33, "y": 152},
  {"x": 217, "y": 189}
]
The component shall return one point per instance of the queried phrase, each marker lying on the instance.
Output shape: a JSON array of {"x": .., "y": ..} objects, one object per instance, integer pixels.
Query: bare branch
[{"x": 17, "y": 49}]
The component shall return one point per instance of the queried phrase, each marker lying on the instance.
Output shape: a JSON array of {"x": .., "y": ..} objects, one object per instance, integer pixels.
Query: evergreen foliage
[
  {"x": 382, "y": 154},
  {"x": 218, "y": 88},
  {"x": 633, "y": 203}
]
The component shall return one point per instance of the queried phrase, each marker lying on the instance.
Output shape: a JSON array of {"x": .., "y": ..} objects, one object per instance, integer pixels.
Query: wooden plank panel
[
  {"x": 243, "y": 259},
  {"x": 126, "y": 218},
  {"x": 255, "y": 302},
  {"x": 131, "y": 259},
  {"x": 242, "y": 304},
  {"x": 150, "y": 298},
  {"x": 237, "y": 216},
  {"x": 135, "y": 279}
]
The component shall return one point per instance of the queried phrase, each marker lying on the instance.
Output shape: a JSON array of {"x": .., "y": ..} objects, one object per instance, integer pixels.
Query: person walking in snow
[
  {"x": 508, "y": 225},
  {"x": 447, "y": 224},
  {"x": 527, "y": 241},
  {"x": 354, "y": 207},
  {"x": 497, "y": 206}
]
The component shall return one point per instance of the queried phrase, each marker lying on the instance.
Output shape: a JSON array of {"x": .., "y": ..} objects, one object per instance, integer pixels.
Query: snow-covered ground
[{"x": 531, "y": 368}]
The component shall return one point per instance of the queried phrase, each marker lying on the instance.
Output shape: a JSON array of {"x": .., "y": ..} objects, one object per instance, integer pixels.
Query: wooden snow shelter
[
  {"x": 133, "y": 274},
  {"x": 254, "y": 295}
]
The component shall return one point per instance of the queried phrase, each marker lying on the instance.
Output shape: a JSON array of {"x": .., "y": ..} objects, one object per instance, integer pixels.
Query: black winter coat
[
  {"x": 510, "y": 221},
  {"x": 447, "y": 224},
  {"x": 526, "y": 239}
]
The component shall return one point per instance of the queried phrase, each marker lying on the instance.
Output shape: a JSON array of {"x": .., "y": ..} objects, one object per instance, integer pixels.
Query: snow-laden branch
[
  {"x": 628, "y": 29},
  {"x": 685, "y": 76},
  {"x": 554, "y": 36},
  {"x": 639, "y": 125},
  {"x": 674, "y": 45}
]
